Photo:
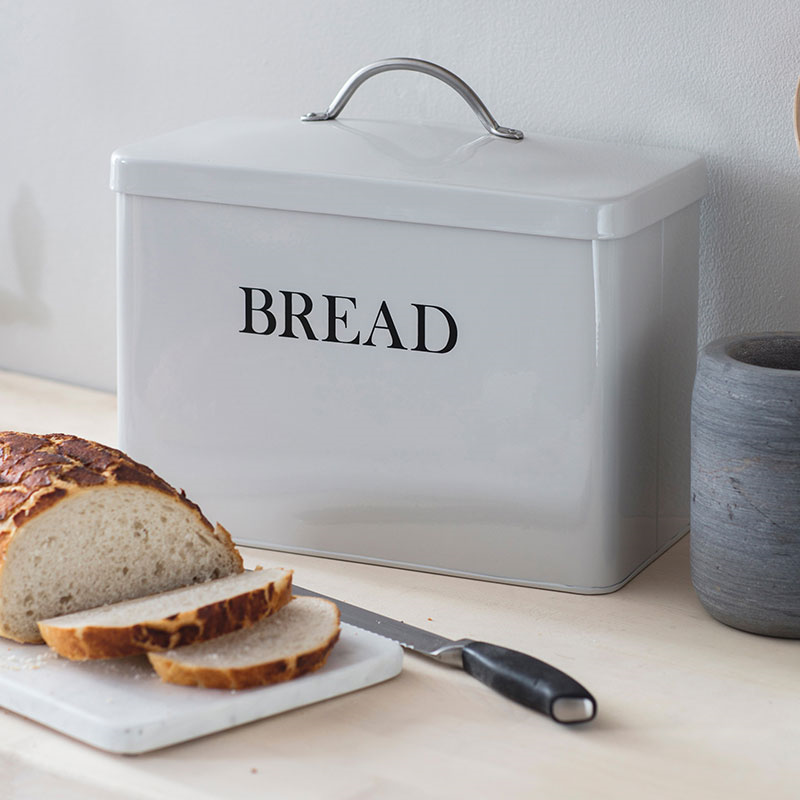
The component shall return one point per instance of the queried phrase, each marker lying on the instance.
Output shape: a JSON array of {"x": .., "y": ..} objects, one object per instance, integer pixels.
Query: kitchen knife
[{"x": 515, "y": 675}]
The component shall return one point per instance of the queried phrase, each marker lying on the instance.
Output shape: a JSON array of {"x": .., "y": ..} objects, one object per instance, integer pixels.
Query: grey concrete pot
[{"x": 745, "y": 511}]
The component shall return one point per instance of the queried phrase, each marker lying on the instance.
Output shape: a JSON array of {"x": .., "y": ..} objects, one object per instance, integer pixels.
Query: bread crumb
[
  {"x": 27, "y": 658},
  {"x": 430, "y": 619},
  {"x": 254, "y": 770}
]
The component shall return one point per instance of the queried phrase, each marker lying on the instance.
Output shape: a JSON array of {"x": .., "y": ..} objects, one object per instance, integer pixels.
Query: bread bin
[{"x": 415, "y": 345}]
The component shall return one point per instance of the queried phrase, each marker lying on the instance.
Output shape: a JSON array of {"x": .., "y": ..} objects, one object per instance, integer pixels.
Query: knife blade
[{"x": 515, "y": 675}]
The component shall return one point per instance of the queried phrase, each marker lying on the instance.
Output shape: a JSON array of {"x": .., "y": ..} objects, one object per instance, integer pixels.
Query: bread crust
[
  {"x": 91, "y": 642},
  {"x": 37, "y": 471},
  {"x": 171, "y": 670}
]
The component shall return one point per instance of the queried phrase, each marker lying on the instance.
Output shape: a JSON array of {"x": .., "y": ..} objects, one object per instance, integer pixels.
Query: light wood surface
[{"x": 687, "y": 707}]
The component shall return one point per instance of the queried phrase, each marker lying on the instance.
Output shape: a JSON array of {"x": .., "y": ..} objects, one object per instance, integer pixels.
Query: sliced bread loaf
[
  {"x": 169, "y": 619},
  {"x": 83, "y": 525},
  {"x": 286, "y": 645}
]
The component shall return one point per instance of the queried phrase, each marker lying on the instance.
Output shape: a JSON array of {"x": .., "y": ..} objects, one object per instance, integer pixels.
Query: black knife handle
[{"x": 528, "y": 681}]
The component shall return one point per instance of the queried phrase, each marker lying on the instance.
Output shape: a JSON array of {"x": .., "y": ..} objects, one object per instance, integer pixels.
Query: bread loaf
[
  {"x": 169, "y": 619},
  {"x": 286, "y": 645},
  {"x": 84, "y": 525}
]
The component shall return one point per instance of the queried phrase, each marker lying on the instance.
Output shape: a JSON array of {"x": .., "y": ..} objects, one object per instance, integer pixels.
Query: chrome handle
[{"x": 414, "y": 65}]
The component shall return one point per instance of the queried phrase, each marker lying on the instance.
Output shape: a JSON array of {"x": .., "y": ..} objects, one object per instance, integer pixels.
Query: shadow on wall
[{"x": 27, "y": 248}]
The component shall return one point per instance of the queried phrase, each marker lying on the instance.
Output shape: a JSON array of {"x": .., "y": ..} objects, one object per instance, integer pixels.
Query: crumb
[
  {"x": 28, "y": 657},
  {"x": 254, "y": 771},
  {"x": 430, "y": 619}
]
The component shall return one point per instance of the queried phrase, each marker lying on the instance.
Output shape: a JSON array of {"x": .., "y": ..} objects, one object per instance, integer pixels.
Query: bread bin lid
[{"x": 401, "y": 171}]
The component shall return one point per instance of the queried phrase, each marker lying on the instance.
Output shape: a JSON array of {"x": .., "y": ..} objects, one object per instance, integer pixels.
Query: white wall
[{"x": 79, "y": 78}]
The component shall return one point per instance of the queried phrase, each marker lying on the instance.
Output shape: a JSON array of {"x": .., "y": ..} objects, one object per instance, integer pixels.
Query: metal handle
[{"x": 414, "y": 65}]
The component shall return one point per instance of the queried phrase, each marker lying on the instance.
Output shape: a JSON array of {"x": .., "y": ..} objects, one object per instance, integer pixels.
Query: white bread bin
[{"x": 420, "y": 346}]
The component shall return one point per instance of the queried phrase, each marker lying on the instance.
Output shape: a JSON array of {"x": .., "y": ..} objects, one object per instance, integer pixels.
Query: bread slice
[
  {"x": 169, "y": 619},
  {"x": 286, "y": 645},
  {"x": 83, "y": 525}
]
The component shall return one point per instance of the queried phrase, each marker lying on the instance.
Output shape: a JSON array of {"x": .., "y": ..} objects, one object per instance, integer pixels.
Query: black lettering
[
  {"x": 451, "y": 325},
  {"x": 250, "y": 309},
  {"x": 260, "y": 301},
  {"x": 333, "y": 319},
  {"x": 383, "y": 311},
  {"x": 300, "y": 316}
]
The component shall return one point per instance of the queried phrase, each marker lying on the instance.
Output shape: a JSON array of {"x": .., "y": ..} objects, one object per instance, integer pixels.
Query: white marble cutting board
[{"x": 123, "y": 707}]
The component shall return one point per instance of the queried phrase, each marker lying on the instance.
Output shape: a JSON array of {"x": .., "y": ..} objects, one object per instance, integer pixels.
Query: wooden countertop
[{"x": 687, "y": 707}]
